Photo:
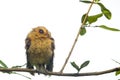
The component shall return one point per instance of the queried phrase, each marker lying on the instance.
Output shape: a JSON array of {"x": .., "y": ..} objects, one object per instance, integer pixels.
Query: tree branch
[
  {"x": 8, "y": 70},
  {"x": 76, "y": 38}
]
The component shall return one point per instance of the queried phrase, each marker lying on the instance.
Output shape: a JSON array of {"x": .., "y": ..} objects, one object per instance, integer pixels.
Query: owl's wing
[
  {"x": 49, "y": 66},
  {"x": 27, "y": 45}
]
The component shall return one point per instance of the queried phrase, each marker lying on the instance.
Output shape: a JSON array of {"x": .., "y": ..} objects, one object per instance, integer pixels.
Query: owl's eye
[{"x": 41, "y": 31}]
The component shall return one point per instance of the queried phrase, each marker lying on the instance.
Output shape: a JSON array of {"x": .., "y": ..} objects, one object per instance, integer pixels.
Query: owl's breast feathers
[{"x": 40, "y": 50}]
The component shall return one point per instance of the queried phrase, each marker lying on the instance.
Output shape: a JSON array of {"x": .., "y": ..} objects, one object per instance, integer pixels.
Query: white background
[{"x": 63, "y": 19}]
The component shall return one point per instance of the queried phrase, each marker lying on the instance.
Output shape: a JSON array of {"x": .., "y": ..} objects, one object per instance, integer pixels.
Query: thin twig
[
  {"x": 7, "y": 70},
  {"x": 76, "y": 38}
]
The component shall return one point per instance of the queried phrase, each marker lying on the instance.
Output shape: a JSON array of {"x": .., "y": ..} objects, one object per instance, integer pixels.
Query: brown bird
[{"x": 40, "y": 47}]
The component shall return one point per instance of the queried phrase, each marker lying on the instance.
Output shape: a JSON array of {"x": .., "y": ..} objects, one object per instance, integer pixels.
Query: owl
[{"x": 39, "y": 47}]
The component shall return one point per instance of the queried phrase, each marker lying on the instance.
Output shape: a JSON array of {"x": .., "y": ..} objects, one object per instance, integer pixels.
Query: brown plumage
[{"x": 40, "y": 49}]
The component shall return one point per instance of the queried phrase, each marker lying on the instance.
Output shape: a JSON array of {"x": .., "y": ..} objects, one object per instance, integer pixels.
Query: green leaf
[
  {"x": 93, "y": 18},
  {"x": 84, "y": 64},
  {"x": 21, "y": 75},
  {"x": 3, "y": 65},
  {"x": 85, "y": 1},
  {"x": 96, "y": 1},
  {"x": 75, "y": 66},
  {"x": 82, "y": 31},
  {"x": 19, "y": 66},
  {"x": 105, "y": 11},
  {"x": 116, "y": 61},
  {"x": 108, "y": 28},
  {"x": 117, "y": 73},
  {"x": 83, "y": 17}
]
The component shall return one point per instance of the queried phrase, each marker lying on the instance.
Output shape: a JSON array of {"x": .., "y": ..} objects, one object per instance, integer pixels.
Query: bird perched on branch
[{"x": 40, "y": 47}]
